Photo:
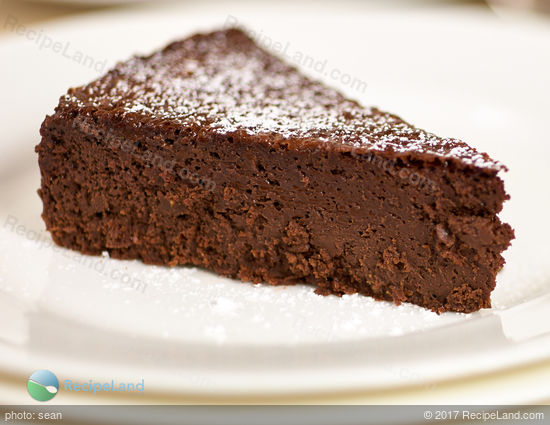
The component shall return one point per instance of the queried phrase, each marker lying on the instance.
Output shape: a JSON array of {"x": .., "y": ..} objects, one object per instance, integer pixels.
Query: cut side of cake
[{"x": 214, "y": 153}]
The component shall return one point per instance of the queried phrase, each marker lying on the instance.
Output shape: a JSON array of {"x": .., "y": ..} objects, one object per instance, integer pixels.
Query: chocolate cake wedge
[{"x": 214, "y": 153}]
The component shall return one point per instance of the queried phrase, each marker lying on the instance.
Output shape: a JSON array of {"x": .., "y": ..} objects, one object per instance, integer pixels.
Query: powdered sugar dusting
[{"x": 222, "y": 81}]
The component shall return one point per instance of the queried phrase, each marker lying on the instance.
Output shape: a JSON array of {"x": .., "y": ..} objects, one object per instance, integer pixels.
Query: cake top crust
[{"x": 224, "y": 82}]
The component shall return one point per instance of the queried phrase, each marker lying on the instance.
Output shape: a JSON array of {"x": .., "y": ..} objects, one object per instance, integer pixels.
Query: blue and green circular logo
[{"x": 42, "y": 385}]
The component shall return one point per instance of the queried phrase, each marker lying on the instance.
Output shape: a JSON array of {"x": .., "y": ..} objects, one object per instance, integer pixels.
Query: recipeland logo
[
  {"x": 43, "y": 386},
  {"x": 97, "y": 387}
]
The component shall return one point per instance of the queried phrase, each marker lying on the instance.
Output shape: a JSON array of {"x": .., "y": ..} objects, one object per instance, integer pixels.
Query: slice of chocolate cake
[{"x": 214, "y": 153}]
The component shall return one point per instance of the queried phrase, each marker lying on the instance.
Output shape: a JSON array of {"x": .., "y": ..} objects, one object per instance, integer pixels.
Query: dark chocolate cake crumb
[{"x": 214, "y": 153}]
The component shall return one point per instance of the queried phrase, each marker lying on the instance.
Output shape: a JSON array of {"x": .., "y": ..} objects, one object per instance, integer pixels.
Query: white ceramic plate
[{"x": 457, "y": 73}]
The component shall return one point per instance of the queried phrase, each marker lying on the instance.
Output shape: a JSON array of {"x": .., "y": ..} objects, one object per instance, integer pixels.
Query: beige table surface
[{"x": 468, "y": 390}]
